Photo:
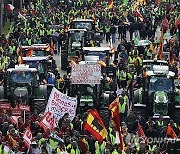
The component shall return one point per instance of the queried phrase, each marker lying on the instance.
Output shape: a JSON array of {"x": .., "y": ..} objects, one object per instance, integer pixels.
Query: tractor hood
[
  {"x": 21, "y": 93},
  {"x": 160, "y": 103}
]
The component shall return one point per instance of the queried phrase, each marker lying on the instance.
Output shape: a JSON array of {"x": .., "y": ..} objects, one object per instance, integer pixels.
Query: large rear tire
[
  {"x": 39, "y": 106},
  {"x": 104, "y": 113},
  {"x": 64, "y": 60}
]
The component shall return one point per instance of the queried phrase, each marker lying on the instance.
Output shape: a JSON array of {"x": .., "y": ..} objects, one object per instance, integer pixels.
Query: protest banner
[
  {"x": 48, "y": 121},
  {"x": 5, "y": 106},
  {"x": 59, "y": 104},
  {"x": 86, "y": 74},
  {"x": 27, "y": 137}
]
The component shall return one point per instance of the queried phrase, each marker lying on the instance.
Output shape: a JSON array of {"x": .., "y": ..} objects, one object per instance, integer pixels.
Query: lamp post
[{"x": 1, "y": 15}]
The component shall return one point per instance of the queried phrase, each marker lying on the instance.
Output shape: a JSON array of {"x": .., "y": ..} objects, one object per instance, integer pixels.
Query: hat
[{"x": 34, "y": 143}]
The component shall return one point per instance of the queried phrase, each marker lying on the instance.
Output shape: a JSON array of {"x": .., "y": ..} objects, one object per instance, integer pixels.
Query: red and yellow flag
[
  {"x": 29, "y": 53},
  {"x": 170, "y": 132},
  {"x": 114, "y": 108},
  {"x": 110, "y": 4},
  {"x": 95, "y": 125},
  {"x": 171, "y": 50}
]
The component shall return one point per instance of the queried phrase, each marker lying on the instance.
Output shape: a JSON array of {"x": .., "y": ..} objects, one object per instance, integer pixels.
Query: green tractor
[
  {"x": 158, "y": 94},
  {"x": 21, "y": 85},
  {"x": 91, "y": 95},
  {"x": 76, "y": 40}
]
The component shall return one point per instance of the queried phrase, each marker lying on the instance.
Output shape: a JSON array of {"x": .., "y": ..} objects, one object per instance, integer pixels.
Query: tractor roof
[
  {"x": 35, "y": 58},
  {"x": 22, "y": 67},
  {"x": 160, "y": 71},
  {"x": 83, "y": 20},
  {"x": 152, "y": 62},
  {"x": 36, "y": 47},
  {"x": 97, "y": 49},
  {"x": 70, "y": 30},
  {"x": 91, "y": 58}
]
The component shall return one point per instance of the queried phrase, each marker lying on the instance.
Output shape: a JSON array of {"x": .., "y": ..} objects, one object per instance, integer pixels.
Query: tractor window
[
  {"x": 160, "y": 84},
  {"x": 21, "y": 77},
  {"x": 77, "y": 36},
  {"x": 102, "y": 55},
  {"x": 38, "y": 53},
  {"x": 83, "y": 25}
]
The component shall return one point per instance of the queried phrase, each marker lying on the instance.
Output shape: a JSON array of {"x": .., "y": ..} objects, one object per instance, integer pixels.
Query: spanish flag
[
  {"x": 171, "y": 50},
  {"x": 110, "y": 4},
  {"x": 95, "y": 125},
  {"x": 29, "y": 53},
  {"x": 102, "y": 63},
  {"x": 170, "y": 132},
  {"x": 114, "y": 108},
  {"x": 12, "y": 141}
]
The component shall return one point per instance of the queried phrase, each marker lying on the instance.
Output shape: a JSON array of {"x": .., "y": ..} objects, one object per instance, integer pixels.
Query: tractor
[
  {"x": 21, "y": 85},
  {"x": 36, "y": 50},
  {"x": 93, "y": 95},
  {"x": 76, "y": 40},
  {"x": 158, "y": 93},
  {"x": 90, "y": 26}
]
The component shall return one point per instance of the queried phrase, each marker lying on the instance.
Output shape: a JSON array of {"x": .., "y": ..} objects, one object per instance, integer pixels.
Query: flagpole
[{"x": 1, "y": 15}]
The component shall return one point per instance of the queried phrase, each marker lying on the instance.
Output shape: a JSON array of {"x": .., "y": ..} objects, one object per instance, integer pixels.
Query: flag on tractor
[
  {"x": 114, "y": 108},
  {"x": 170, "y": 132},
  {"x": 110, "y": 4},
  {"x": 29, "y": 53},
  {"x": 95, "y": 125}
]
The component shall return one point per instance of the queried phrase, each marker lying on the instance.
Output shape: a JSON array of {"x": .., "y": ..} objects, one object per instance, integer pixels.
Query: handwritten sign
[
  {"x": 59, "y": 104},
  {"x": 86, "y": 74}
]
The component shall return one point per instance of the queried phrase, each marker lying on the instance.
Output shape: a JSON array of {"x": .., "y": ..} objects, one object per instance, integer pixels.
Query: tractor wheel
[
  {"x": 104, "y": 114},
  {"x": 177, "y": 114},
  {"x": 39, "y": 106},
  {"x": 64, "y": 61}
]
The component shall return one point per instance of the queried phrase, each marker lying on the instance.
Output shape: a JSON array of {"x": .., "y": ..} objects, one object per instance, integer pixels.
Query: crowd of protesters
[{"x": 32, "y": 26}]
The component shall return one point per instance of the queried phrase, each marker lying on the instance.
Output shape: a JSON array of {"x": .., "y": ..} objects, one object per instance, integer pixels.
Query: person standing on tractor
[{"x": 138, "y": 64}]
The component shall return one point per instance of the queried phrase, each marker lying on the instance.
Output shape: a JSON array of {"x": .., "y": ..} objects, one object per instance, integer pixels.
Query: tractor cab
[
  {"x": 76, "y": 41},
  {"x": 40, "y": 63},
  {"x": 35, "y": 50},
  {"x": 90, "y": 26},
  {"x": 20, "y": 82}
]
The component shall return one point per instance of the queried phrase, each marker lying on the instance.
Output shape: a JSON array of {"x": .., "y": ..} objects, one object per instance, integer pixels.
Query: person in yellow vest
[
  {"x": 60, "y": 83},
  {"x": 123, "y": 108},
  {"x": 100, "y": 147},
  {"x": 131, "y": 61},
  {"x": 122, "y": 78},
  {"x": 12, "y": 48},
  {"x": 73, "y": 148},
  {"x": 138, "y": 64},
  {"x": 160, "y": 123},
  {"x": 2, "y": 65},
  {"x": 5, "y": 59}
]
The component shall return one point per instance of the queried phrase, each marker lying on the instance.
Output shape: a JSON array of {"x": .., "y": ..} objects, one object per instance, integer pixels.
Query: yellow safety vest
[
  {"x": 122, "y": 76},
  {"x": 131, "y": 61},
  {"x": 100, "y": 148},
  {"x": 53, "y": 144},
  {"x": 69, "y": 146},
  {"x": 160, "y": 123},
  {"x": 12, "y": 49},
  {"x": 2, "y": 66},
  {"x": 122, "y": 108}
]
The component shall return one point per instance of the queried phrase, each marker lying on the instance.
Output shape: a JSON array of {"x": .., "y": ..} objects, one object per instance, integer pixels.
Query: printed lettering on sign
[
  {"x": 59, "y": 104},
  {"x": 86, "y": 74}
]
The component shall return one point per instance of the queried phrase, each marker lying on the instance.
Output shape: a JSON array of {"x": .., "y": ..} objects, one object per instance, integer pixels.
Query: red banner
[
  {"x": 5, "y": 106},
  {"x": 16, "y": 112},
  {"x": 24, "y": 107}
]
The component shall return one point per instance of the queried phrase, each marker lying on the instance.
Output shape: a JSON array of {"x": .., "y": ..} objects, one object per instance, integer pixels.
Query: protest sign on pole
[
  {"x": 48, "y": 121},
  {"x": 5, "y": 106},
  {"x": 27, "y": 137},
  {"x": 59, "y": 104},
  {"x": 86, "y": 74}
]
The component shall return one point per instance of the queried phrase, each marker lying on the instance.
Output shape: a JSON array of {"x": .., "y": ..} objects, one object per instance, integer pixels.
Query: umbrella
[{"x": 143, "y": 43}]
